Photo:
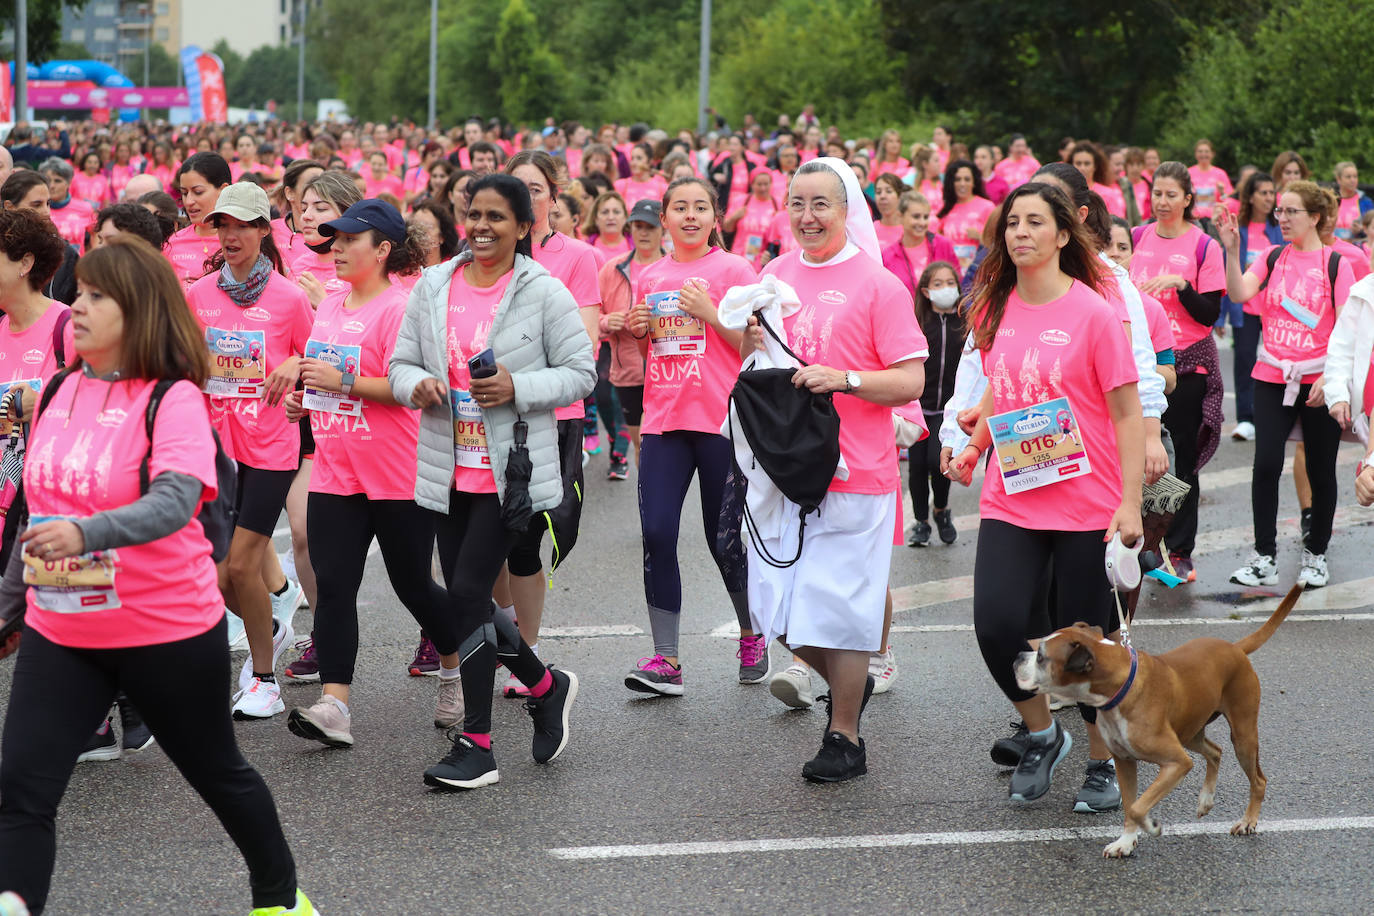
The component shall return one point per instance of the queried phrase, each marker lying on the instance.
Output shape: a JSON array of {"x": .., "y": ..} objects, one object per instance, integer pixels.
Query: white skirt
[{"x": 833, "y": 597}]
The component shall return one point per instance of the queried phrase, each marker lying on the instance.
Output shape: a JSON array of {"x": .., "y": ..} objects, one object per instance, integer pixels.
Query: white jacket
[{"x": 1348, "y": 354}]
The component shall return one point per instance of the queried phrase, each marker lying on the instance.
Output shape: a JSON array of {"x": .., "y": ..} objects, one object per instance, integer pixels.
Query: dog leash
[{"x": 1121, "y": 616}]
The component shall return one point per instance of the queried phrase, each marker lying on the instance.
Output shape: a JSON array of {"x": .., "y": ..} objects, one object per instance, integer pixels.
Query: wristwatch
[
  {"x": 348, "y": 379},
  {"x": 851, "y": 381}
]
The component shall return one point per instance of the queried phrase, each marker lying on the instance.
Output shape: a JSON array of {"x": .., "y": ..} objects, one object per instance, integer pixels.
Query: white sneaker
[
  {"x": 284, "y": 606},
  {"x": 325, "y": 722},
  {"x": 287, "y": 560},
  {"x": 1313, "y": 573},
  {"x": 280, "y": 641},
  {"x": 792, "y": 685},
  {"x": 238, "y": 637},
  {"x": 1244, "y": 432},
  {"x": 262, "y": 700},
  {"x": 882, "y": 667},
  {"x": 1261, "y": 570}
]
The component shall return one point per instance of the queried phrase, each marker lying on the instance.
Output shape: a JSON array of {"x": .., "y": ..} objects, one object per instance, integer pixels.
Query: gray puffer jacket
[{"x": 537, "y": 335}]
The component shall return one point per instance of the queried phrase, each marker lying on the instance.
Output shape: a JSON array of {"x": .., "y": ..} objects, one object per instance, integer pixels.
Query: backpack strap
[
  {"x": 58, "y": 330},
  {"x": 1333, "y": 267},
  {"x": 1200, "y": 254},
  {"x": 1270, "y": 260},
  {"x": 1137, "y": 234},
  {"x": 160, "y": 388},
  {"x": 50, "y": 389},
  {"x": 782, "y": 343}
]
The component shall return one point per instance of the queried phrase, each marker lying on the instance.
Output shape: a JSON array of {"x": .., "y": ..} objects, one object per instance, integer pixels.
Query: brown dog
[{"x": 1156, "y": 708}]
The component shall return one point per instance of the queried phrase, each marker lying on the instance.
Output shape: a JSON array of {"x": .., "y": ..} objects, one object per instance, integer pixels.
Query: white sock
[
  {"x": 448, "y": 674},
  {"x": 339, "y": 703},
  {"x": 534, "y": 647}
]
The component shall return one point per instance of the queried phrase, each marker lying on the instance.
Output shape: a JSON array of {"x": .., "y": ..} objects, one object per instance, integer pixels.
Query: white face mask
[{"x": 944, "y": 297}]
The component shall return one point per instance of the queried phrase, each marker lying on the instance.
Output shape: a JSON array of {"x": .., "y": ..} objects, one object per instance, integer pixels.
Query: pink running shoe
[
  {"x": 753, "y": 660},
  {"x": 655, "y": 675}
]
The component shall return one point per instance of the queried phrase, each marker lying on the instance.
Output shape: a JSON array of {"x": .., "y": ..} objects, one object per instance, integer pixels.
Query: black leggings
[
  {"x": 473, "y": 543},
  {"x": 1322, "y": 437},
  {"x": 340, "y": 530},
  {"x": 1246, "y": 339},
  {"x": 1184, "y": 419},
  {"x": 924, "y": 477},
  {"x": 1009, "y": 580},
  {"x": 59, "y": 697}
]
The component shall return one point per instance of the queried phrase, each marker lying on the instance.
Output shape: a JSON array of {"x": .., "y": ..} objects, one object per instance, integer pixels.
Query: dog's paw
[
  {"x": 1151, "y": 825},
  {"x": 1205, "y": 801},
  {"x": 1246, "y": 826},
  {"x": 1122, "y": 847}
]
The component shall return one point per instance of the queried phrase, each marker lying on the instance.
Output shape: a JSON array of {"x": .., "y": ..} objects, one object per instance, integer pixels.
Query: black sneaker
[
  {"x": 1305, "y": 525},
  {"x": 620, "y": 468},
  {"x": 1032, "y": 776},
  {"x": 920, "y": 535},
  {"x": 136, "y": 734},
  {"x": 868, "y": 695},
  {"x": 837, "y": 760},
  {"x": 465, "y": 766},
  {"x": 550, "y": 715},
  {"x": 944, "y": 521},
  {"x": 101, "y": 745},
  {"x": 1007, "y": 752}
]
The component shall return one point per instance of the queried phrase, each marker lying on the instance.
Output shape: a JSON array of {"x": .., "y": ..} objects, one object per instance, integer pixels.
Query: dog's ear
[
  {"x": 1080, "y": 660},
  {"x": 1094, "y": 632}
]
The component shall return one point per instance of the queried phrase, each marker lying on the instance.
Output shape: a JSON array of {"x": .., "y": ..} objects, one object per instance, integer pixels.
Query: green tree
[
  {"x": 44, "y": 25},
  {"x": 529, "y": 71},
  {"x": 269, "y": 73}
]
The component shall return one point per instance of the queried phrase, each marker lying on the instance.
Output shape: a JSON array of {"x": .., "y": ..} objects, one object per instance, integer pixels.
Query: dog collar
[{"x": 1126, "y": 687}]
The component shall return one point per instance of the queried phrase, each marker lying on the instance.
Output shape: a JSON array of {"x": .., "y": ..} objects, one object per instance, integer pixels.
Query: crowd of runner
[{"x": 421, "y": 336}]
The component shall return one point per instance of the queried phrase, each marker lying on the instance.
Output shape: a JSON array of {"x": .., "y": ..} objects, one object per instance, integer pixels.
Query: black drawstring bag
[
  {"x": 516, "y": 508},
  {"x": 795, "y": 436}
]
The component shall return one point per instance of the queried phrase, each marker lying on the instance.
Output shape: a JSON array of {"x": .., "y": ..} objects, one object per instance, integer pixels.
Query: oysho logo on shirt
[
  {"x": 33, "y": 357},
  {"x": 354, "y": 327},
  {"x": 1055, "y": 337},
  {"x": 112, "y": 418},
  {"x": 257, "y": 314},
  {"x": 832, "y": 297}
]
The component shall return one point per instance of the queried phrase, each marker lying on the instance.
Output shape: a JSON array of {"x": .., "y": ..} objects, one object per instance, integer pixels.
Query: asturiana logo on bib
[
  {"x": 257, "y": 314},
  {"x": 354, "y": 327},
  {"x": 1029, "y": 425},
  {"x": 331, "y": 356},
  {"x": 832, "y": 297},
  {"x": 231, "y": 344},
  {"x": 1055, "y": 337},
  {"x": 33, "y": 357}
]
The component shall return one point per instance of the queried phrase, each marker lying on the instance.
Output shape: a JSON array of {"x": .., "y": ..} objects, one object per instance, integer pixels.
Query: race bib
[
  {"x": 1300, "y": 312},
  {"x": 965, "y": 251},
  {"x": 1344, "y": 233},
  {"x": 1038, "y": 445},
  {"x": 469, "y": 432},
  {"x": 343, "y": 357},
  {"x": 75, "y": 585},
  {"x": 752, "y": 246},
  {"x": 238, "y": 363},
  {"x": 6, "y": 427},
  {"x": 672, "y": 332}
]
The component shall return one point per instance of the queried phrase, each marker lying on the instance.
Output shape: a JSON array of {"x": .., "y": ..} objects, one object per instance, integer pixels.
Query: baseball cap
[
  {"x": 645, "y": 211},
  {"x": 366, "y": 214},
  {"x": 243, "y": 200}
]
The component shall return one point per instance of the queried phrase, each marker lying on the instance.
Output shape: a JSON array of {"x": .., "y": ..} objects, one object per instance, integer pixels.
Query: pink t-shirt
[
  {"x": 933, "y": 190},
  {"x": 164, "y": 174},
  {"x": 1369, "y": 388},
  {"x": 319, "y": 266},
  {"x": 93, "y": 189},
  {"x": 689, "y": 392},
  {"x": 84, "y": 454},
  {"x": 573, "y": 157},
  {"x": 919, "y": 258},
  {"x": 1209, "y": 188},
  {"x": 1111, "y": 196},
  {"x": 388, "y": 184},
  {"x": 780, "y": 233},
  {"x": 1156, "y": 255},
  {"x": 857, "y": 316},
  {"x": 1071, "y": 348},
  {"x": 1142, "y": 198},
  {"x": 1347, "y": 215},
  {"x": 417, "y": 179},
  {"x": 360, "y": 452},
  {"x": 29, "y": 354},
  {"x": 1161, "y": 335},
  {"x": 611, "y": 252},
  {"x": 886, "y": 234},
  {"x": 119, "y": 177},
  {"x": 898, "y": 168},
  {"x": 1354, "y": 256},
  {"x": 751, "y": 231},
  {"x": 1300, "y": 278},
  {"x": 1016, "y": 172},
  {"x": 188, "y": 251},
  {"x": 471, "y": 311},
  {"x": 574, "y": 264},
  {"x": 635, "y": 191},
  {"x": 253, "y": 432},
  {"x": 963, "y": 226},
  {"x": 72, "y": 221}
]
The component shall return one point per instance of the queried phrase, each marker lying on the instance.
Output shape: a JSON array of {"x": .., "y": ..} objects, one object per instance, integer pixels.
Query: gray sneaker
[
  {"x": 753, "y": 660},
  {"x": 448, "y": 708},
  {"x": 1100, "y": 791},
  {"x": 1007, "y": 752},
  {"x": 1033, "y": 774}
]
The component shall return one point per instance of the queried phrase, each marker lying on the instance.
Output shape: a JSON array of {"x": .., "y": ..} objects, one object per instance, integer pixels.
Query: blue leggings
[{"x": 667, "y": 462}]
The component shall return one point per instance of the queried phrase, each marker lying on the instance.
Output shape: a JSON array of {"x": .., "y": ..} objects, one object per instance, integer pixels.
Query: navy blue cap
[
  {"x": 369, "y": 213},
  {"x": 645, "y": 211}
]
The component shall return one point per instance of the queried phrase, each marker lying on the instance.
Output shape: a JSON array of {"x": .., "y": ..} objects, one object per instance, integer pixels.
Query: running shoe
[
  {"x": 325, "y": 722},
  {"x": 284, "y": 605},
  {"x": 920, "y": 534},
  {"x": 136, "y": 736},
  {"x": 944, "y": 523},
  {"x": 837, "y": 760},
  {"x": 1261, "y": 570},
  {"x": 465, "y": 766},
  {"x": 1244, "y": 432},
  {"x": 1313, "y": 573},
  {"x": 1100, "y": 791},
  {"x": 1183, "y": 567},
  {"x": 1033, "y": 774},
  {"x": 792, "y": 685},
  {"x": 307, "y": 667},
  {"x": 426, "y": 660},
  {"x": 101, "y": 745},
  {"x": 1007, "y": 752},
  {"x": 591, "y": 444},
  {"x": 448, "y": 706},
  {"x": 302, "y": 908},
  {"x": 238, "y": 637},
  {"x": 513, "y": 689},
  {"x": 280, "y": 639},
  {"x": 550, "y": 715},
  {"x": 882, "y": 667},
  {"x": 656, "y": 675},
  {"x": 753, "y": 659},
  {"x": 11, "y": 904},
  {"x": 620, "y": 468},
  {"x": 262, "y": 700}
]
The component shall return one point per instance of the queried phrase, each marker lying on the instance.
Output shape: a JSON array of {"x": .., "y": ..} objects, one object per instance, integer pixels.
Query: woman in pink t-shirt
[
  {"x": 1134, "y": 165},
  {"x": 1298, "y": 309},
  {"x": 148, "y": 602},
  {"x": 887, "y": 197},
  {"x": 1353, "y": 202},
  {"x": 747, "y": 225},
  {"x": 121, "y": 170},
  {"x": 926, "y": 173},
  {"x": 1178, "y": 264},
  {"x": 163, "y": 167},
  {"x": 1096, "y": 170},
  {"x": 889, "y": 158},
  {"x": 325, "y": 197},
  {"x": 730, "y": 175},
  {"x": 362, "y": 435},
  {"x": 1048, "y": 341},
  {"x": 71, "y": 215},
  {"x": 286, "y": 229},
  {"x": 918, "y": 246},
  {"x": 379, "y": 179},
  {"x": 964, "y": 210},
  {"x": 692, "y": 361},
  {"x": 1211, "y": 185},
  {"x": 642, "y": 184},
  {"x": 604, "y": 226},
  {"x": 256, "y": 326},
  {"x": 201, "y": 179},
  {"x": 90, "y": 183}
]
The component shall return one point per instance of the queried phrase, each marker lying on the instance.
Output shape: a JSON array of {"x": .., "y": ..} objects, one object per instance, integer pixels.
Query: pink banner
[{"x": 105, "y": 97}]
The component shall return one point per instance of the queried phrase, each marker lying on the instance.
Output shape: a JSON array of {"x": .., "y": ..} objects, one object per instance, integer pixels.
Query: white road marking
[
  {"x": 1254, "y": 621},
  {"x": 953, "y": 838},
  {"x": 591, "y": 632}
]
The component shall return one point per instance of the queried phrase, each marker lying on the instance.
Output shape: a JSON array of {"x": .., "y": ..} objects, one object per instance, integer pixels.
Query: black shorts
[
  {"x": 307, "y": 440},
  {"x": 261, "y": 497},
  {"x": 631, "y": 403}
]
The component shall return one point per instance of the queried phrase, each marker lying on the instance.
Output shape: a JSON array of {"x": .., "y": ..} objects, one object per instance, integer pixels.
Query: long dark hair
[
  {"x": 924, "y": 307},
  {"x": 1248, "y": 187},
  {"x": 997, "y": 277},
  {"x": 714, "y": 239},
  {"x": 947, "y": 186},
  {"x": 517, "y": 195}
]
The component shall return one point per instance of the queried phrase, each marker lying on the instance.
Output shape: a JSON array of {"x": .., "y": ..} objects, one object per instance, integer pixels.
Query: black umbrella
[{"x": 516, "y": 508}]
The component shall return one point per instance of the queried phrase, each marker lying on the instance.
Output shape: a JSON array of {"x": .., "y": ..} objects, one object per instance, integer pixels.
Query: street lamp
[
  {"x": 300, "y": 64},
  {"x": 147, "y": 40}
]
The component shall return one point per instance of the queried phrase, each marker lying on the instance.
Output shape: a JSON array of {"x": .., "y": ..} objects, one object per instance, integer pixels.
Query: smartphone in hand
[{"x": 483, "y": 365}]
